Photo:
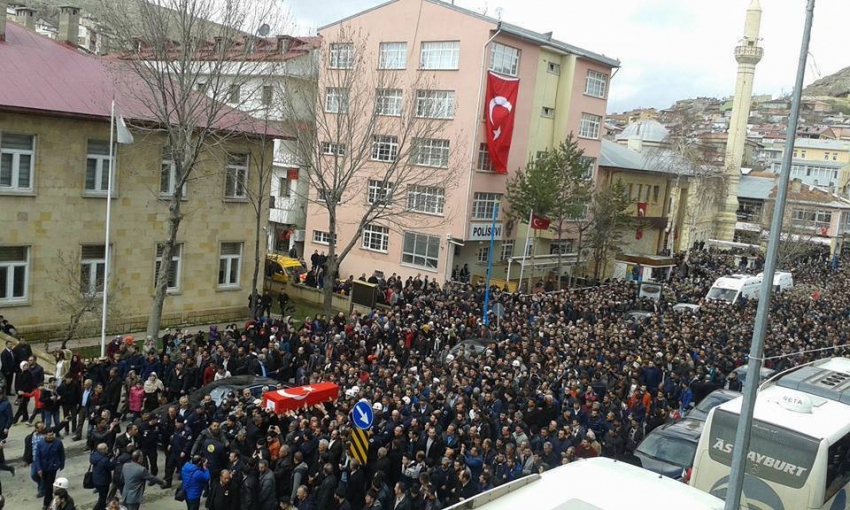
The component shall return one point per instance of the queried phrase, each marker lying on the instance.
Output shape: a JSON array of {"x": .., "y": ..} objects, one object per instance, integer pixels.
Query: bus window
[{"x": 837, "y": 467}]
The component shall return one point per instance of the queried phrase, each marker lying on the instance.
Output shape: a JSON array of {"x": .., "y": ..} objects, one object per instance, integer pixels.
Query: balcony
[{"x": 748, "y": 54}]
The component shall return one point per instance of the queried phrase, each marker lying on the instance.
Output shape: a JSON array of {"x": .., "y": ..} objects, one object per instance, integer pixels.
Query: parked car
[
  {"x": 764, "y": 373},
  {"x": 669, "y": 450},
  {"x": 686, "y": 307},
  {"x": 219, "y": 389},
  {"x": 712, "y": 400}
]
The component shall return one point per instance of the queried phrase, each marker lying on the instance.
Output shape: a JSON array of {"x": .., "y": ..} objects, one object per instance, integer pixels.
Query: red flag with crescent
[
  {"x": 500, "y": 111},
  {"x": 539, "y": 223},
  {"x": 289, "y": 399},
  {"x": 641, "y": 209}
]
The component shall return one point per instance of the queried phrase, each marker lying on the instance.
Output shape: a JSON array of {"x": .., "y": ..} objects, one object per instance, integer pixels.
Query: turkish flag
[
  {"x": 639, "y": 234},
  {"x": 289, "y": 399},
  {"x": 641, "y": 209},
  {"x": 500, "y": 113},
  {"x": 538, "y": 223}
]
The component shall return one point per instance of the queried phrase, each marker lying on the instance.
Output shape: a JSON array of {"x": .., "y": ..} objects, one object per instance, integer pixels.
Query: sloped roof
[
  {"x": 817, "y": 143},
  {"x": 40, "y": 75},
  {"x": 649, "y": 130},
  {"x": 614, "y": 155},
  {"x": 755, "y": 187}
]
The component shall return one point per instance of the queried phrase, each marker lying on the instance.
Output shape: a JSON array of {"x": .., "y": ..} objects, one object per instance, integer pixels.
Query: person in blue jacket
[
  {"x": 49, "y": 458},
  {"x": 195, "y": 477},
  {"x": 102, "y": 467}
]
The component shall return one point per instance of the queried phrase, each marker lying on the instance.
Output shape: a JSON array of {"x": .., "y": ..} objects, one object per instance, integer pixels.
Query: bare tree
[
  {"x": 77, "y": 297},
  {"x": 610, "y": 218},
  {"x": 378, "y": 135},
  {"x": 185, "y": 59}
]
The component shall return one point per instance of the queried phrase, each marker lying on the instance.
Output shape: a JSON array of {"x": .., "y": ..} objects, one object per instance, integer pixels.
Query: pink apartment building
[{"x": 562, "y": 89}]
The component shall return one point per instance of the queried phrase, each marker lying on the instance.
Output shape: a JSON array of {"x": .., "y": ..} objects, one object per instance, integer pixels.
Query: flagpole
[
  {"x": 490, "y": 265},
  {"x": 525, "y": 250},
  {"x": 108, "y": 217}
]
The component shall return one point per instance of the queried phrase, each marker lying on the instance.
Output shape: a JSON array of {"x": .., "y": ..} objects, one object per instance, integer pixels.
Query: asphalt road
[{"x": 20, "y": 491}]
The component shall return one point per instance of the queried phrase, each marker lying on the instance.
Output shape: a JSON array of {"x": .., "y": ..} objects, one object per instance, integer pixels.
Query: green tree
[
  {"x": 555, "y": 185},
  {"x": 608, "y": 210}
]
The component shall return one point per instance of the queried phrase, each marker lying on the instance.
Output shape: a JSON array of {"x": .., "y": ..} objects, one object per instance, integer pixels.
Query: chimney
[
  {"x": 69, "y": 24},
  {"x": 25, "y": 16},
  {"x": 796, "y": 186},
  {"x": 3, "y": 4},
  {"x": 635, "y": 143}
]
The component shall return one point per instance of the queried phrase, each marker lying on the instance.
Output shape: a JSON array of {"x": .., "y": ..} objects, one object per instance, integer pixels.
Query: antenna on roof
[
  {"x": 263, "y": 30},
  {"x": 499, "y": 12}
]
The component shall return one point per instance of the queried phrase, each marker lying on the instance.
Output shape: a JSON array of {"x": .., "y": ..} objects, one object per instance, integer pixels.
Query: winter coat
[
  {"x": 137, "y": 397},
  {"x": 102, "y": 467},
  {"x": 49, "y": 456},
  {"x": 194, "y": 480}
]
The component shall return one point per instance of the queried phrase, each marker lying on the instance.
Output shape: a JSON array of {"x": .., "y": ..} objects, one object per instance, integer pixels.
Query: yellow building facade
[{"x": 54, "y": 225}]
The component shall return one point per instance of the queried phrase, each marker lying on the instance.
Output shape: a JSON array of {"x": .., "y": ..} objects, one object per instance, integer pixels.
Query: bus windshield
[
  {"x": 776, "y": 454},
  {"x": 722, "y": 294}
]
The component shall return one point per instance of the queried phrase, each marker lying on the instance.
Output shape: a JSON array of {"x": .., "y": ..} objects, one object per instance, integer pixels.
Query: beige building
[{"x": 54, "y": 169}]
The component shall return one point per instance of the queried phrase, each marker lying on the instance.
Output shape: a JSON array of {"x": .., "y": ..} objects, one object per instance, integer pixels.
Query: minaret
[{"x": 748, "y": 54}]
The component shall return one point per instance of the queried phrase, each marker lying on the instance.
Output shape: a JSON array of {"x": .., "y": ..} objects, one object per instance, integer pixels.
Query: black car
[
  {"x": 712, "y": 400},
  {"x": 218, "y": 389},
  {"x": 670, "y": 450}
]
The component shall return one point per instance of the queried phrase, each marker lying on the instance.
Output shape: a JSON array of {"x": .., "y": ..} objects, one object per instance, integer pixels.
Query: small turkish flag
[
  {"x": 641, "y": 209},
  {"x": 501, "y": 110},
  {"x": 538, "y": 223},
  {"x": 639, "y": 234}
]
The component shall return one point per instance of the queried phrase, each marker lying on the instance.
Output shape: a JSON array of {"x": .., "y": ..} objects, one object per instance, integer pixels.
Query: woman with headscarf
[
  {"x": 77, "y": 368},
  {"x": 23, "y": 384},
  {"x": 153, "y": 389}
]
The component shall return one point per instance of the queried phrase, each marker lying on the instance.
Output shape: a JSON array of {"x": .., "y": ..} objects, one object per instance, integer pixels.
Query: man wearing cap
[{"x": 48, "y": 459}]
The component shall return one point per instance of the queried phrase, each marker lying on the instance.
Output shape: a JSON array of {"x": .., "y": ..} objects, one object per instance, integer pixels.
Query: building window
[
  {"x": 92, "y": 269},
  {"x": 321, "y": 237},
  {"x": 168, "y": 176},
  {"x": 554, "y": 68},
  {"x": 440, "y": 55},
  {"x": 284, "y": 187},
  {"x": 547, "y": 112},
  {"x": 656, "y": 191},
  {"x": 342, "y": 56},
  {"x": 380, "y": 192},
  {"x": 333, "y": 149},
  {"x": 16, "y": 162},
  {"x": 234, "y": 94},
  {"x": 803, "y": 154},
  {"x": 483, "y": 255},
  {"x": 384, "y": 148},
  {"x": 595, "y": 83},
  {"x": 229, "y": 264},
  {"x": 646, "y": 195},
  {"x": 504, "y": 59},
  {"x": 14, "y": 273},
  {"x": 388, "y": 102},
  {"x": 321, "y": 195},
  {"x": 376, "y": 238},
  {"x": 578, "y": 212},
  {"x": 392, "y": 56},
  {"x": 507, "y": 250},
  {"x": 420, "y": 250},
  {"x": 97, "y": 167},
  {"x": 426, "y": 199},
  {"x": 268, "y": 95},
  {"x": 483, "y": 204},
  {"x": 236, "y": 181},
  {"x": 435, "y": 104},
  {"x": 431, "y": 152},
  {"x": 336, "y": 100},
  {"x": 826, "y": 156},
  {"x": 589, "y": 167},
  {"x": 795, "y": 154},
  {"x": 560, "y": 247},
  {"x": 173, "y": 268},
  {"x": 484, "y": 161},
  {"x": 589, "y": 127}
]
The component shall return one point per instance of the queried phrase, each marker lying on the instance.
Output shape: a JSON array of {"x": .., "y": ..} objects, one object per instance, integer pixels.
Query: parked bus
[
  {"x": 599, "y": 484},
  {"x": 799, "y": 454}
]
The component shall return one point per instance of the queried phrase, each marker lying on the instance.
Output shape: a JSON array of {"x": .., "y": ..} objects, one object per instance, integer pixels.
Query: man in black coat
[
  {"x": 223, "y": 494},
  {"x": 8, "y": 366},
  {"x": 326, "y": 490},
  {"x": 355, "y": 489}
]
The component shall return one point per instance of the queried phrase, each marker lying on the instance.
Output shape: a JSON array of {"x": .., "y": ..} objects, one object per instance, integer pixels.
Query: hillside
[{"x": 834, "y": 85}]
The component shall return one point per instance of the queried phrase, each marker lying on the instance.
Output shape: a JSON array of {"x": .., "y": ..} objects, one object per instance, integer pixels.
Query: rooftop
[
  {"x": 651, "y": 159},
  {"x": 817, "y": 143},
  {"x": 44, "y": 76},
  {"x": 649, "y": 130},
  {"x": 508, "y": 28}
]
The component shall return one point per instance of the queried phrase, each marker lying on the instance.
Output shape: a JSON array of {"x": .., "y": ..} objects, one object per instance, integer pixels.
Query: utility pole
[{"x": 742, "y": 436}]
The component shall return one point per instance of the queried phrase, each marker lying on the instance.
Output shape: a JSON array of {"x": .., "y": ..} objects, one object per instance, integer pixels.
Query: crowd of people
[{"x": 563, "y": 376}]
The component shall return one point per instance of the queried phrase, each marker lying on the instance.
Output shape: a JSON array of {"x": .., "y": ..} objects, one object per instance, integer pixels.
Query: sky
[{"x": 669, "y": 49}]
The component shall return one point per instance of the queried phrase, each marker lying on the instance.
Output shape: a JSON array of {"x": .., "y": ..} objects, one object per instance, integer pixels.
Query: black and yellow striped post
[{"x": 358, "y": 445}]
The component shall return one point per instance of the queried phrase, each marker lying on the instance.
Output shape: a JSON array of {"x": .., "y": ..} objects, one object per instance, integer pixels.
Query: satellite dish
[{"x": 263, "y": 30}]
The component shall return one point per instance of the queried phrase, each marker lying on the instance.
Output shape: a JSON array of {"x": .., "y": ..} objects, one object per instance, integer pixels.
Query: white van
[
  {"x": 799, "y": 443},
  {"x": 732, "y": 288},
  {"x": 782, "y": 280},
  {"x": 598, "y": 484}
]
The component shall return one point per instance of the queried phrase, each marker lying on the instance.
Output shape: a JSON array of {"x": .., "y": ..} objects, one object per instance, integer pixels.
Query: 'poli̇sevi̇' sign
[{"x": 484, "y": 231}]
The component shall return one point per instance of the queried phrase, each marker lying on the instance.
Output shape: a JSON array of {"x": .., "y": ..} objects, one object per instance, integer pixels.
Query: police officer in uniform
[{"x": 179, "y": 449}]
